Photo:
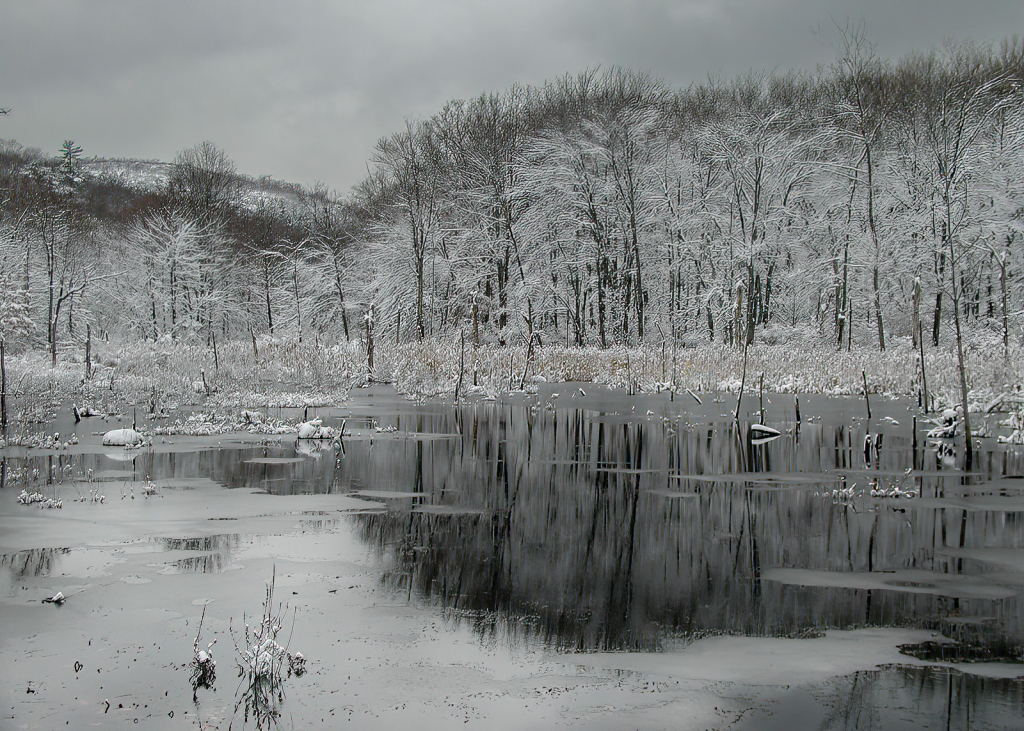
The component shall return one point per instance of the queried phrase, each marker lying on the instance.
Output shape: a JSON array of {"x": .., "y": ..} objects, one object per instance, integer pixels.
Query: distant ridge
[{"x": 152, "y": 175}]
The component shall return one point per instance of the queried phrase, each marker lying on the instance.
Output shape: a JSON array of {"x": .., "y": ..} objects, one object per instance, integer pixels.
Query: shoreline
[{"x": 286, "y": 373}]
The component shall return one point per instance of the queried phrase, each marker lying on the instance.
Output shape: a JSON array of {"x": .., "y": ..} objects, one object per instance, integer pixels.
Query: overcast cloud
[{"x": 301, "y": 90}]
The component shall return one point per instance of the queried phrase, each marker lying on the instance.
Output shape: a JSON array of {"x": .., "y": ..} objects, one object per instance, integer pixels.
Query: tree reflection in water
[
  {"x": 602, "y": 528},
  {"x": 31, "y": 563},
  {"x": 918, "y": 697},
  {"x": 611, "y": 522}
]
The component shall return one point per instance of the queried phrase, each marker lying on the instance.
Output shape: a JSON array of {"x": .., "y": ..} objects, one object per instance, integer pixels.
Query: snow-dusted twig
[{"x": 204, "y": 667}]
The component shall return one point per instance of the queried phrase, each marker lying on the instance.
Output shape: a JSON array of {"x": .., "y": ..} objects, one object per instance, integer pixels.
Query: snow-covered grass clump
[
  {"x": 264, "y": 663},
  {"x": 203, "y": 424},
  {"x": 37, "y": 498},
  {"x": 1016, "y": 423}
]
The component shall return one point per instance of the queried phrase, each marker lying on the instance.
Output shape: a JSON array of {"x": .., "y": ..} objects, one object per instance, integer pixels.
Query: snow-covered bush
[{"x": 263, "y": 662}]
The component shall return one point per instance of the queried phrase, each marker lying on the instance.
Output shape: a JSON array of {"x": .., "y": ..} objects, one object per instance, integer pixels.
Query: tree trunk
[
  {"x": 969, "y": 447},
  {"x": 937, "y": 318},
  {"x": 844, "y": 303},
  {"x": 602, "y": 329},
  {"x": 3, "y": 387},
  {"x": 298, "y": 305},
  {"x": 341, "y": 301},
  {"x": 638, "y": 300},
  {"x": 916, "y": 313},
  {"x": 174, "y": 301},
  {"x": 1006, "y": 322},
  {"x": 737, "y": 316},
  {"x": 270, "y": 313},
  {"x": 88, "y": 352},
  {"x": 878, "y": 308},
  {"x": 420, "y": 263}
]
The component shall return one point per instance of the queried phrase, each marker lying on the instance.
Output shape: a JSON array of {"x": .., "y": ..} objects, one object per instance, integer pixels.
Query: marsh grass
[
  {"x": 283, "y": 372},
  {"x": 431, "y": 368},
  {"x": 264, "y": 663}
]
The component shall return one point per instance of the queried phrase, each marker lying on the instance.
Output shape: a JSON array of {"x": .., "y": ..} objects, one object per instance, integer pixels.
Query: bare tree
[
  {"x": 766, "y": 166},
  {"x": 955, "y": 129},
  {"x": 862, "y": 105},
  {"x": 328, "y": 224},
  {"x": 412, "y": 186},
  {"x": 203, "y": 181}
]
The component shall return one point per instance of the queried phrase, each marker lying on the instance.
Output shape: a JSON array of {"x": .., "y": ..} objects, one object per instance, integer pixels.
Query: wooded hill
[{"x": 866, "y": 201}]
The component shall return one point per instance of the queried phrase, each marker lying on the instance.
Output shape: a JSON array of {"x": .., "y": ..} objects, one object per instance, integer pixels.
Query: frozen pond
[{"x": 489, "y": 563}]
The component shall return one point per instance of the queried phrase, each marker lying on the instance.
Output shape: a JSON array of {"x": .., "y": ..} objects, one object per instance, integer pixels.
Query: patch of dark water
[
  {"x": 981, "y": 649},
  {"x": 310, "y": 539},
  {"x": 210, "y": 563},
  {"x": 216, "y": 554},
  {"x": 32, "y": 563},
  {"x": 896, "y": 698},
  {"x": 561, "y": 523}
]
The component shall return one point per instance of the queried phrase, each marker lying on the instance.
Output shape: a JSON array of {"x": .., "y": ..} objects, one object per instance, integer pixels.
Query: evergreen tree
[{"x": 70, "y": 152}]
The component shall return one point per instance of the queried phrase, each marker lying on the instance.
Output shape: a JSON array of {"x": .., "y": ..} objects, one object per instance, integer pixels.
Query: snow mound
[
  {"x": 315, "y": 429},
  {"x": 122, "y": 438}
]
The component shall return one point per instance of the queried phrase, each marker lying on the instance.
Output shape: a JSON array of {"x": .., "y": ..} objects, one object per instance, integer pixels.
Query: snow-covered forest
[{"x": 859, "y": 206}]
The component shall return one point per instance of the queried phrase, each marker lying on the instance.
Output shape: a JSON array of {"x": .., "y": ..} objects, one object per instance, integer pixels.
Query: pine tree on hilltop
[{"x": 70, "y": 152}]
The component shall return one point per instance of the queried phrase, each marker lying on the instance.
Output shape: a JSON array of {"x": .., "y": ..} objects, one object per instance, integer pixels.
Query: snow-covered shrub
[
  {"x": 204, "y": 667},
  {"x": 263, "y": 662}
]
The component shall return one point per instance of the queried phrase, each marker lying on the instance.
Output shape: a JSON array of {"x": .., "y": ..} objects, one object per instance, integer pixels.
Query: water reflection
[
  {"x": 211, "y": 563},
  {"x": 600, "y": 520},
  {"x": 31, "y": 563},
  {"x": 603, "y": 528},
  {"x": 220, "y": 543},
  {"x": 216, "y": 554},
  {"x": 916, "y": 697}
]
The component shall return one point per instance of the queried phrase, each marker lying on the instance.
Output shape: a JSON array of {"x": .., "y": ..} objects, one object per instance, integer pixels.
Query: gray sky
[{"x": 301, "y": 90}]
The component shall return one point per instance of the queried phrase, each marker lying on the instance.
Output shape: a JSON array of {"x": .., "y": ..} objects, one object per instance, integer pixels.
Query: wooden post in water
[
  {"x": 866, "y": 401},
  {"x": 760, "y": 397},
  {"x": 743, "y": 380},
  {"x": 914, "y": 441}
]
